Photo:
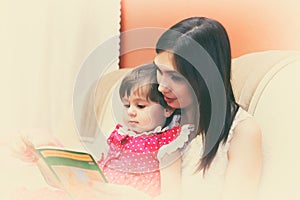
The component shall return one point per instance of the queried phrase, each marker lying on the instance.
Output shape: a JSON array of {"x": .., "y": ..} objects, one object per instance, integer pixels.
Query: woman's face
[{"x": 175, "y": 88}]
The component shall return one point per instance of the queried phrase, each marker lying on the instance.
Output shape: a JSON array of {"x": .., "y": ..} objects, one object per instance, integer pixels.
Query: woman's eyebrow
[{"x": 171, "y": 72}]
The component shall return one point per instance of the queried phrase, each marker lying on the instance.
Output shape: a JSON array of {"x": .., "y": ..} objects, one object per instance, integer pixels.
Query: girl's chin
[
  {"x": 138, "y": 130},
  {"x": 134, "y": 130}
]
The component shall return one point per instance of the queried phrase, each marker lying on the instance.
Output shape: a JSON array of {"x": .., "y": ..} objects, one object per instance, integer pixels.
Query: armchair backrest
[{"x": 267, "y": 84}]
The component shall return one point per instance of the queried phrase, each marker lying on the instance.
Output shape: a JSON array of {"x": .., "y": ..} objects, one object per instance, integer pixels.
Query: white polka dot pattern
[{"x": 133, "y": 160}]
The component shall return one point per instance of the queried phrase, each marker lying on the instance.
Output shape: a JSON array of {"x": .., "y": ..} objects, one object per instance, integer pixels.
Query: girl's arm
[
  {"x": 25, "y": 150},
  {"x": 245, "y": 163},
  {"x": 48, "y": 174}
]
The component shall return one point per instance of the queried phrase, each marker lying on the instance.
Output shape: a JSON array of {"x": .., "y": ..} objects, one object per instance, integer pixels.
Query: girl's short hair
[{"x": 141, "y": 81}]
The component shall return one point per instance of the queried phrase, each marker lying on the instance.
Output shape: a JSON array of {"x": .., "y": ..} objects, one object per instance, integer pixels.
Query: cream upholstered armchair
[{"x": 267, "y": 85}]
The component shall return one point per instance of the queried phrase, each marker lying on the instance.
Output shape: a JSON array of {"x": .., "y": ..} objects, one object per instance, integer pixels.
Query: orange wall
[{"x": 252, "y": 25}]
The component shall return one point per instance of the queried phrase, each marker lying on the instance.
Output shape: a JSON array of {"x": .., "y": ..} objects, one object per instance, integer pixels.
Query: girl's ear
[{"x": 168, "y": 111}]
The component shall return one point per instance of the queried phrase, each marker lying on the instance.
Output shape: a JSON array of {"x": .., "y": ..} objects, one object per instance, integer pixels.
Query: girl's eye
[
  {"x": 126, "y": 105},
  {"x": 141, "y": 106}
]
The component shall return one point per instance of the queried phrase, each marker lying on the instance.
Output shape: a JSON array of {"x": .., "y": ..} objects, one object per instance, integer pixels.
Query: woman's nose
[{"x": 163, "y": 88}]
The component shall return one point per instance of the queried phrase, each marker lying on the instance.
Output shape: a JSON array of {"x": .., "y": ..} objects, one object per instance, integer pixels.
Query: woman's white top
[{"x": 195, "y": 186}]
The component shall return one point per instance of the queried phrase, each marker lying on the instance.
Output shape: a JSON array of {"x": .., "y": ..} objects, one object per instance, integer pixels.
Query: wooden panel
[{"x": 252, "y": 25}]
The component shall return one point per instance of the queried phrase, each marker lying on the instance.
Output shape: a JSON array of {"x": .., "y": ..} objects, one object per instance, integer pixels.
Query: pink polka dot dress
[{"x": 132, "y": 158}]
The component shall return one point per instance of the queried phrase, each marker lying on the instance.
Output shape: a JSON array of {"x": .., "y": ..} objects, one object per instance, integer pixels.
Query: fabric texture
[
  {"x": 132, "y": 159},
  {"x": 210, "y": 185}
]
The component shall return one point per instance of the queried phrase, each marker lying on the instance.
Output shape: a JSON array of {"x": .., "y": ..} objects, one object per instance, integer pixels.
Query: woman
[{"x": 223, "y": 158}]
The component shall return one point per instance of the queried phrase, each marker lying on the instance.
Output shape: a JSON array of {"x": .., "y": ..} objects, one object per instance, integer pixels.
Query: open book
[{"x": 71, "y": 167}]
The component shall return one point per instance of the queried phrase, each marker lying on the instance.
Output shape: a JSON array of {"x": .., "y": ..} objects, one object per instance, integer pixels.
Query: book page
[{"x": 72, "y": 167}]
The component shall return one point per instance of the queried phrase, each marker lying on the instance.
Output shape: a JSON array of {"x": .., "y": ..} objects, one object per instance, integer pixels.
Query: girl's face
[
  {"x": 141, "y": 115},
  {"x": 175, "y": 88}
]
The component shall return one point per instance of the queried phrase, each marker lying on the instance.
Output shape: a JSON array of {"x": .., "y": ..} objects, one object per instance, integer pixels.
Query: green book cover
[{"x": 71, "y": 167}]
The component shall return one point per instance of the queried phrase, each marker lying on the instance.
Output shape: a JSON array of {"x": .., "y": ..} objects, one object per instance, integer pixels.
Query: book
[{"x": 70, "y": 166}]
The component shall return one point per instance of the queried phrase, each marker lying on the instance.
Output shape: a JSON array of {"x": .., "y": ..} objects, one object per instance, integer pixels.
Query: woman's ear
[{"x": 168, "y": 111}]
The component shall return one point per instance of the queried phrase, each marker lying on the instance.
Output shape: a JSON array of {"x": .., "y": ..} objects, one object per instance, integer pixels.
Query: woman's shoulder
[
  {"x": 246, "y": 135},
  {"x": 244, "y": 125},
  {"x": 248, "y": 128}
]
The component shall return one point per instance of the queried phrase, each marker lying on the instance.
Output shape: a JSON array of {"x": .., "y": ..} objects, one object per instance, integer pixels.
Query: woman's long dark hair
[{"x": 212, "y": 36}]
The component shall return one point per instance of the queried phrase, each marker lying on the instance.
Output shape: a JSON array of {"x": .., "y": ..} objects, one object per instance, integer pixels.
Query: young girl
[{"x": 134, "y": 146}]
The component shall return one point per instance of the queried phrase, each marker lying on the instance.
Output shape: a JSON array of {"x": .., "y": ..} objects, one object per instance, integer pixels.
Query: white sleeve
[{"x": 176, "y": 144}]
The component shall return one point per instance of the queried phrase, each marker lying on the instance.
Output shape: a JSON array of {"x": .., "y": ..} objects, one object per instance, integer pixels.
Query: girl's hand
[
  {"x": 25, "y": 144},
  {"x": 25, "y": 150}
]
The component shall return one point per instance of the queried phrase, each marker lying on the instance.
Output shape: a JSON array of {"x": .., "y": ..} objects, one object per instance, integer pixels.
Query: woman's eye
[
  {"x": 141, "y": 106},
  {"x": 176, "y": 78}
]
